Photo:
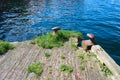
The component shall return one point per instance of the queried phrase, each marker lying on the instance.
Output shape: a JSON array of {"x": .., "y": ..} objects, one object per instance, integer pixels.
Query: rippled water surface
[{"x": 24, "y": 19}]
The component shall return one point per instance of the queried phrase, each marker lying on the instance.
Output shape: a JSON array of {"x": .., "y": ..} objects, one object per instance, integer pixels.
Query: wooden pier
[{"x": 13, "y": 64}]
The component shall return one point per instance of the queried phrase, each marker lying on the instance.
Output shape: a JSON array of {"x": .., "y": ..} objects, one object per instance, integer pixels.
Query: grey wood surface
[{"x": 13, "y": 65}]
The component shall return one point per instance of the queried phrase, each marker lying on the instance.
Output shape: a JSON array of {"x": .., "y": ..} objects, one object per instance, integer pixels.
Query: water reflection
[
  {"x": 16, "y": 18},
  {"x": 24, "y": 19}
]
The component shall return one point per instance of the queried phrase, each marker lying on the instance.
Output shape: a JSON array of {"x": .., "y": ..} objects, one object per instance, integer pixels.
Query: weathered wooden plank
[
  {"x": 17, "y": 67},
  {"x": 107, "y": 60},
  {"x": 8, "y": 63},
  {"x": 13, "y": 65},
  {"x": 30, "y": 57}
]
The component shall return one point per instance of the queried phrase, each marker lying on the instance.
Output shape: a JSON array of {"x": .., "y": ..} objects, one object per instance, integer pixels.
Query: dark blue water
[{"x": 24, "y": 19}]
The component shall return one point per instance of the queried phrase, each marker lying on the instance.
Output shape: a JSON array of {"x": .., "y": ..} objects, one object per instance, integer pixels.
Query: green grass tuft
[
  {"x": 47, "y": 55},
  {"x": 37, "y": 68},
  {"x": 32, "y": 42},
  {"x": 105, "y": 70},
  {"x": 5, "y": 46},
  {"x": 62, "y": 56},
  {"x": 66, "y": 68},
  {"x": 73, "y": 46},
  {"x": 82, "y": 67},
  {"x": 80, "y": 55},
  {"x": 49, "y": 40},
  {"x": 91, "y": 54}
]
